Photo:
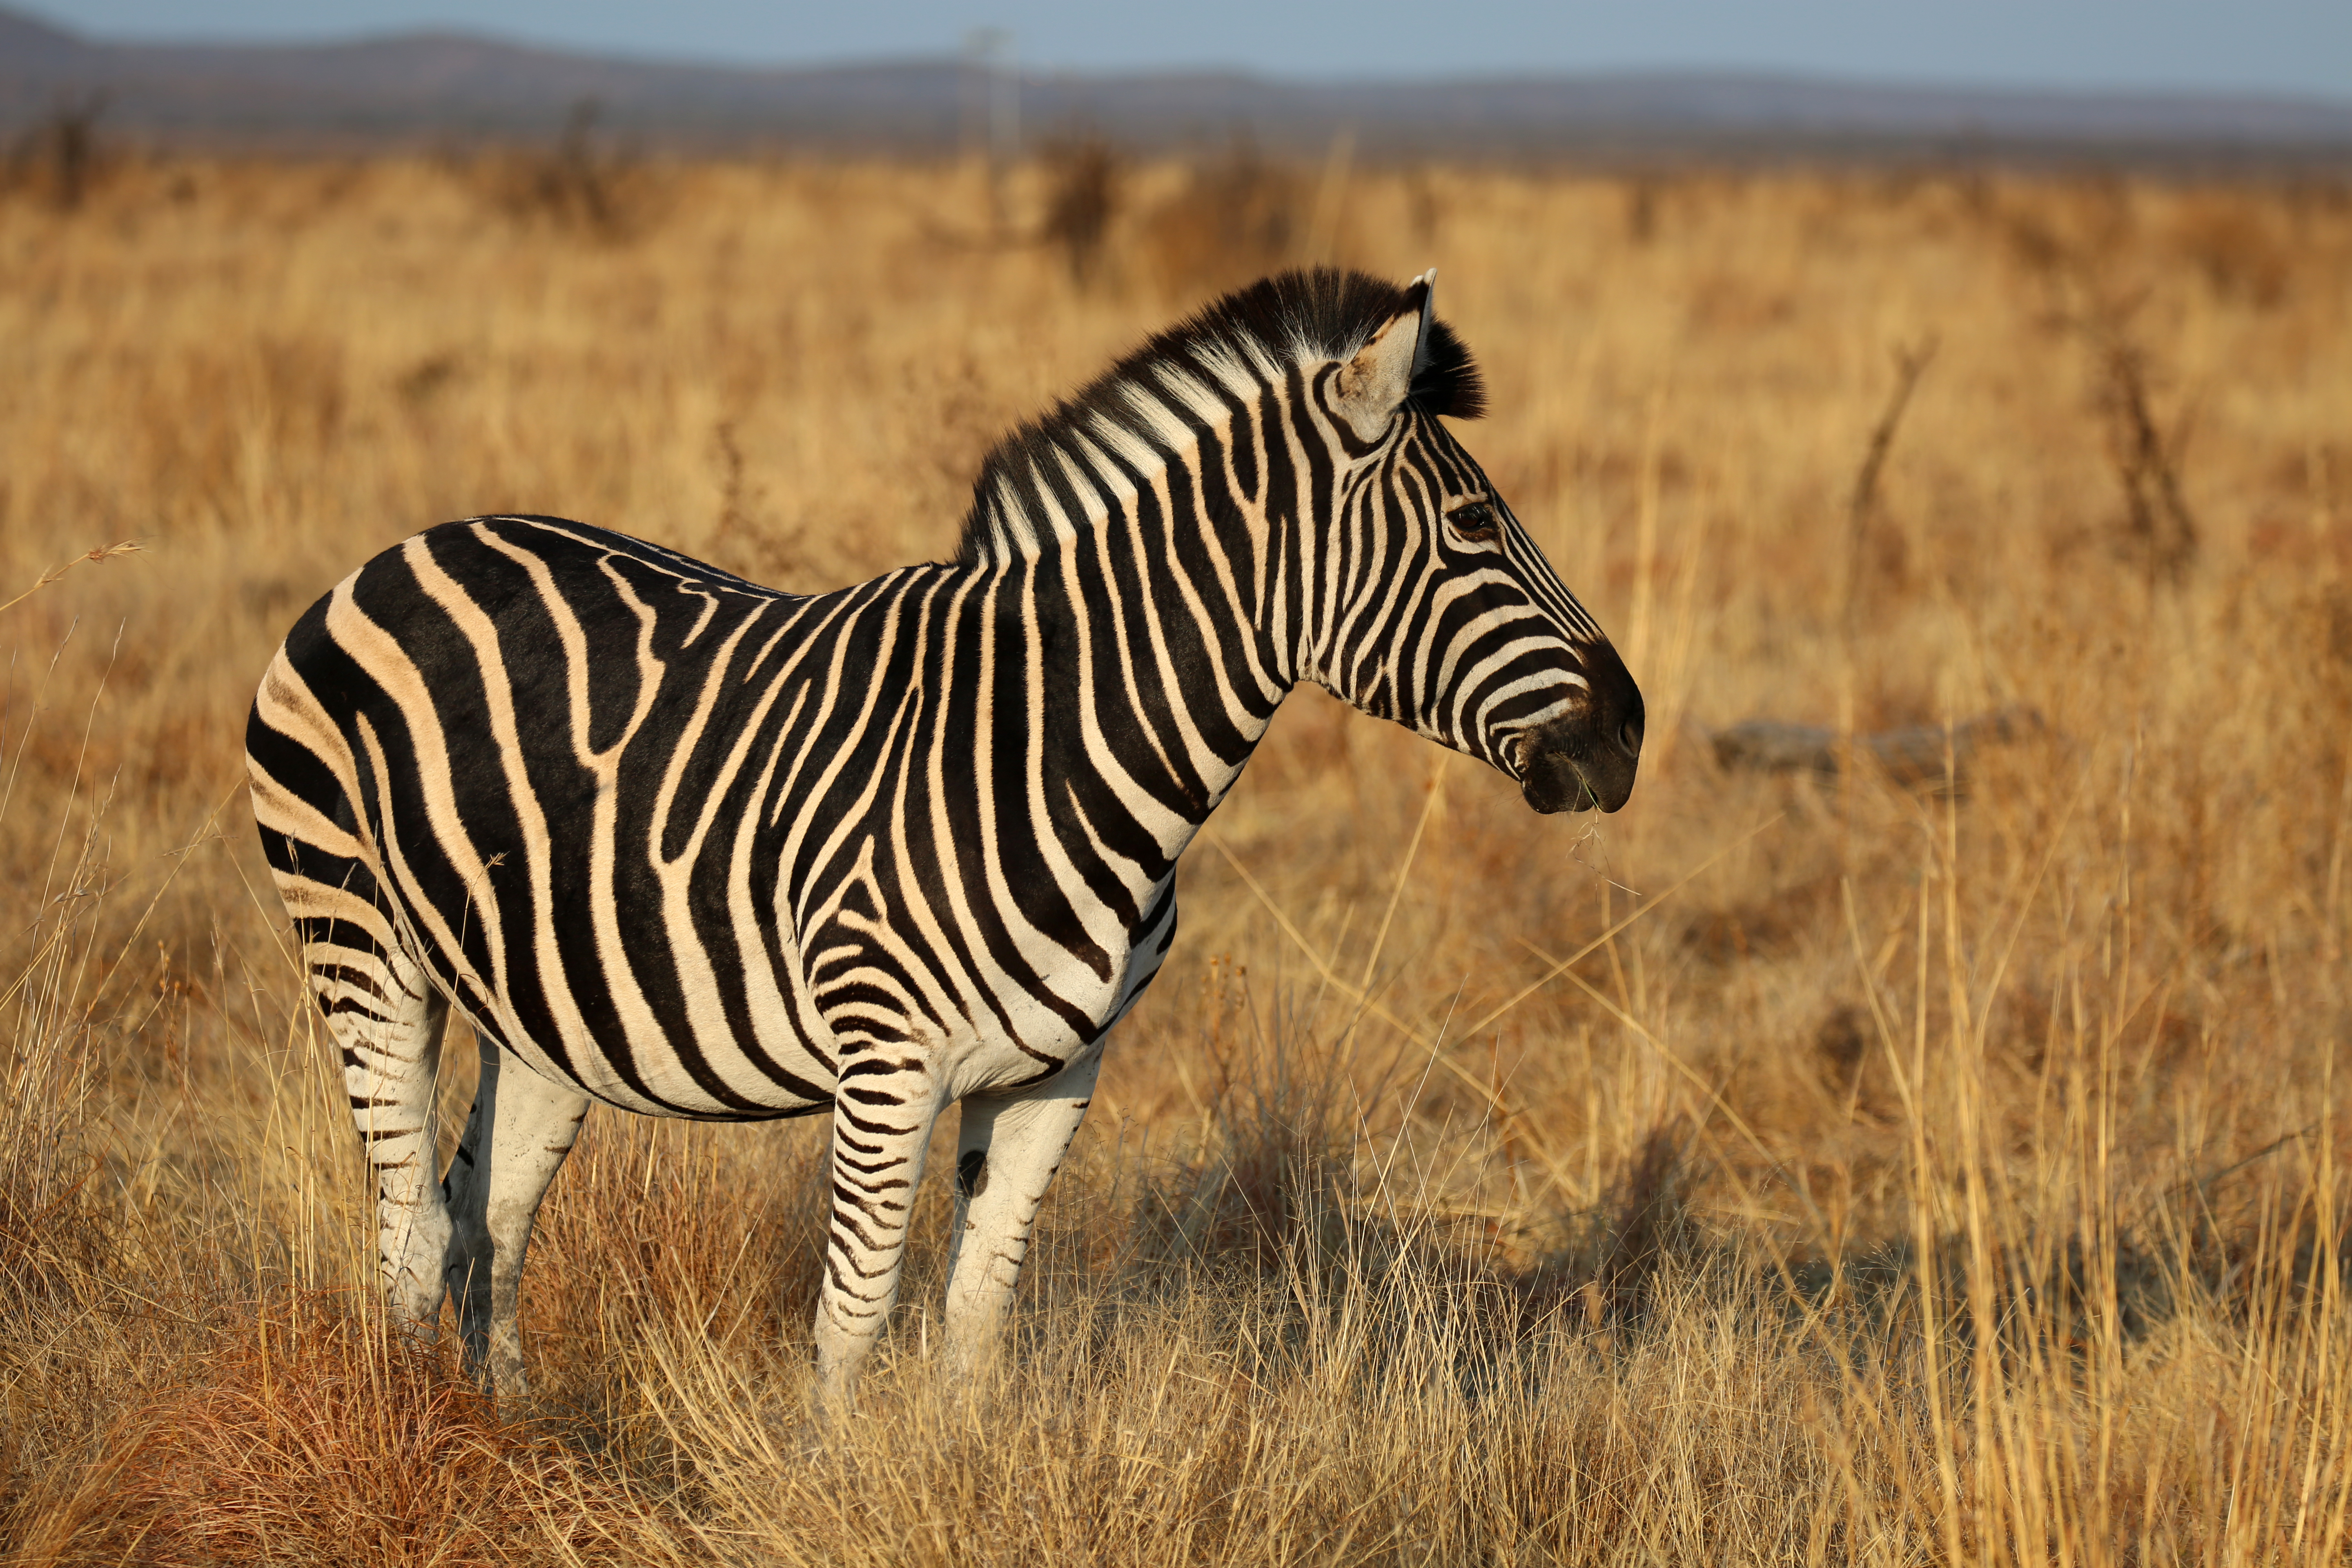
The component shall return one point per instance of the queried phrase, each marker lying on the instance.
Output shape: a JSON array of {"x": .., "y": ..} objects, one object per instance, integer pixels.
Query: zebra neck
[{"x": 1155, "y": 668}]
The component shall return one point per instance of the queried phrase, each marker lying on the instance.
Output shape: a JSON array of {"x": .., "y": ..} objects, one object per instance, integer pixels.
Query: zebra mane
[{"x": 1303, "y": 317}]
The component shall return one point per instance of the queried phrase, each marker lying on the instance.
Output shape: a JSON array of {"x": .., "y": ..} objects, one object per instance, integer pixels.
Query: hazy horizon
[{"x": 2286, "y": 48}]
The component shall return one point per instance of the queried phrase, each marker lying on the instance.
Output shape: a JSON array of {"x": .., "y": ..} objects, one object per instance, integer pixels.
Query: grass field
[{"x": 1796, "y": 1167}]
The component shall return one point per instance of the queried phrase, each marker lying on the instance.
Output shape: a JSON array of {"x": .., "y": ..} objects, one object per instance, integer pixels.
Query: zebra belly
[{"x": 712, "y": 1060}]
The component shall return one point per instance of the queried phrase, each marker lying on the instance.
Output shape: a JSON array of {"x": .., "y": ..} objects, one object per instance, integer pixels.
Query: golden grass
[{"x": 1788, "y": 1169}]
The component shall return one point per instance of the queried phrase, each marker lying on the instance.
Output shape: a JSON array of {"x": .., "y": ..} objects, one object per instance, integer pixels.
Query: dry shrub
[
  {"x": 663, "y": 1223},
  {"x": 57, "y": 1242},
  {"x": 2158, "y": 532},
  {"x": 1236, "y": 218},
  {"x": 2235, "y": 243},
  {"x": 1266, "y": 1186},
  {"x": 56, "y": 1237},
  {"x": 62, "y": 159},
  {"x": 1082, "y": 199},
  {"x": 313, "y": 1439},
  {"x": 581, "y": 185}
]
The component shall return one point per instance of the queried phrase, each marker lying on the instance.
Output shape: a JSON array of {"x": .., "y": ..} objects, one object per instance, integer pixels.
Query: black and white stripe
[{"x": 696, "y": 847}]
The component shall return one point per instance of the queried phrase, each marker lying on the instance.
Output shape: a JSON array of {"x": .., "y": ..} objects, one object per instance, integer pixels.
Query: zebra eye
[{"x": 1476, "y": 521}]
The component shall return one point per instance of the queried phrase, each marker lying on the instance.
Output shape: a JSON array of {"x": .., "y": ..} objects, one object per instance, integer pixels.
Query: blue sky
[{"x": 2294, "y": 46}]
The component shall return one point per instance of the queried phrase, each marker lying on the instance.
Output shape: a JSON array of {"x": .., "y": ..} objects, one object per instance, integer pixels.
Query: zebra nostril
[{"x": 1629, "y": 737}]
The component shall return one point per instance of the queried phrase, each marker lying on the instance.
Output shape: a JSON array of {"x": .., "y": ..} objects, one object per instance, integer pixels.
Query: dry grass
[{"x": 1893, "y": 1176}]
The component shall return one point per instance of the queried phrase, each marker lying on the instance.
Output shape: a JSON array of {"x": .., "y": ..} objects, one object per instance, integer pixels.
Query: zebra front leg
[
  {"x": 1007, "y": 1151},
  {"x": 521, "y": 1128},
  {"x": 882, "y": 1119}
]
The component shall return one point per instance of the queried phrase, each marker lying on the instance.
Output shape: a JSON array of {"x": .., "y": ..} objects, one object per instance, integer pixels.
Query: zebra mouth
[
  {"x": 1554, "y": 782},
  {"x": 1567, "y": 768}
]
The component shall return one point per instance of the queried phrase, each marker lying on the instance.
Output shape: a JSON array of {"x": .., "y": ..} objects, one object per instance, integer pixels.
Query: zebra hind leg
[
  {"x": 387, "y": 1020},
  {"x": 521, "y": 1127},
  {"x": 882, "y": 1120},
  {"x": 1007, "y": 1151}
]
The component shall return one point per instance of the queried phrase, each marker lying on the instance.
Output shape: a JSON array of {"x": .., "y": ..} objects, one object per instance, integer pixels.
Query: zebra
[{"x": 674, "y": 842}]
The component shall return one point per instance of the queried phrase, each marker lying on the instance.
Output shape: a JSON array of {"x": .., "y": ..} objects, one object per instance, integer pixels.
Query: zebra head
[{"x": 1434, "y": 608}]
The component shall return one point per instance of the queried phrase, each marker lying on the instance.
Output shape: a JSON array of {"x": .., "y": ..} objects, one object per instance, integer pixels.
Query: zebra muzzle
[{"x": 1576, "y": 764}]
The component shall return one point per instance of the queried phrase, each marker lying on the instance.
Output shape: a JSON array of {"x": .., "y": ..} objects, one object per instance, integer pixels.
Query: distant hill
[{"x": 439, "y": 88}]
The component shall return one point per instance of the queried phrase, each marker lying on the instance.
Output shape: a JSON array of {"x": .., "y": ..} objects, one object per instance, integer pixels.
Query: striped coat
[{"x": 692, "y": 847}]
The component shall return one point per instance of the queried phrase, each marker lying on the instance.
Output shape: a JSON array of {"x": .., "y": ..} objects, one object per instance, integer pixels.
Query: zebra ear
[
  {"x": 1374, "y": 384},
  {"x": 1426, "y": 287}
]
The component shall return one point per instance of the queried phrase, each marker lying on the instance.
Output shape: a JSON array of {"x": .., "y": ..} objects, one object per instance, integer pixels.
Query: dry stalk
[
  {"x": 1911, "y": 363},
  {"x": 1081, "y": 205},
  {"x": 2156, "y": 520},
  {"x": 102, "y": 553}
]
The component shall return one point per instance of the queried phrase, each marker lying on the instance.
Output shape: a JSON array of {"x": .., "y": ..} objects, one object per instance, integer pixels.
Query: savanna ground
[{"x": 1812, "y": 1167}]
